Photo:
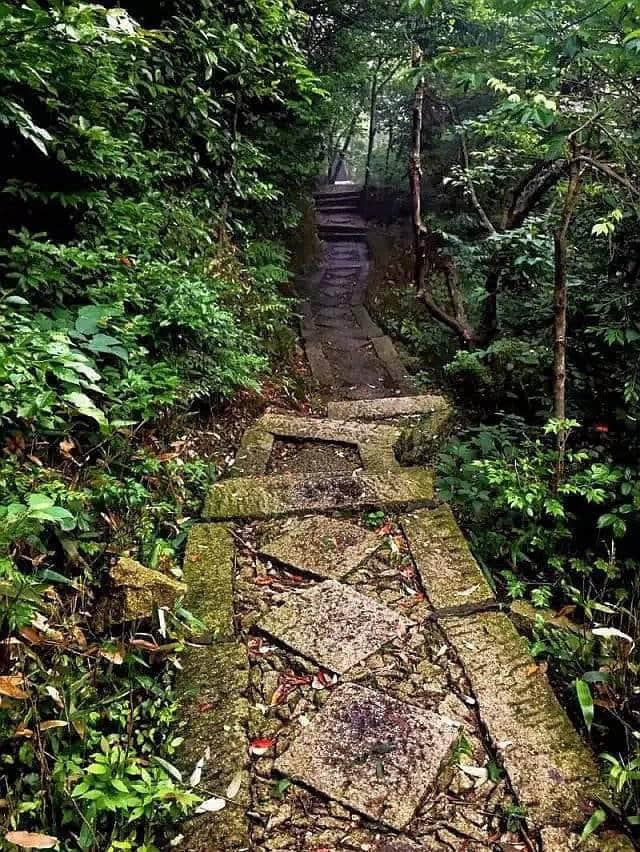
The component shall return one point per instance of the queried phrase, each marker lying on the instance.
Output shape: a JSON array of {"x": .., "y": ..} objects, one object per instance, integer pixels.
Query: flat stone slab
[
  {"x": 300, "y": 494},
  {"x": 385, "y": 409},
  {"x": 374, "y": 754},
  {"x": 450, "y": 575},
  {"x": 555, "y": 840},
  {"x": 208, "y": 573},
  {"x": 211, "y": 686},
  {"x": 333, "y": 625},
  {"x": 322, "y": 546},
  {"x": 552, "y": 772}
]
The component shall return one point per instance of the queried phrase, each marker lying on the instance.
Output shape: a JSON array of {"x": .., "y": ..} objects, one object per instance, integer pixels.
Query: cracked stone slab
[
  {"x": 552, "y": 772},
  {"x": 373, "y": 754},
  {"x": 554, "y": 840},
  {"x": 398, "y": 844},
  {"x": 386, "y": 409},
  {"x": 299, "y": 494},
  {"x": 323, "y": 546},
  {"x": 450, "y": 575},
  {"x": 333, "y": 625}
]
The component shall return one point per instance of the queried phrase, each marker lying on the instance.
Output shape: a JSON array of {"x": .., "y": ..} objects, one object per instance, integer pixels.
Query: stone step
[
  {"x": 322, "y": 546},
  {"x": 385, "y": 409},
  {"x": 352, "y": 627},
  {"x": 296, "y": 494},
  {"x": 450, "y": 575},
  {"x": 336, "y": 233}
]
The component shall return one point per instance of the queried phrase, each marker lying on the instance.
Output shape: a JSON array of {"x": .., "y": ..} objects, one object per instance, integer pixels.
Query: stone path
[
  {"x": 356, "y": 685},
  {"x": 345, "y": 348}
]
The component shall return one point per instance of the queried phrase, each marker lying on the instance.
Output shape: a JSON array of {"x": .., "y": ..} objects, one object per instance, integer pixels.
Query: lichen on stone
[{"x": 208, "y": 573}]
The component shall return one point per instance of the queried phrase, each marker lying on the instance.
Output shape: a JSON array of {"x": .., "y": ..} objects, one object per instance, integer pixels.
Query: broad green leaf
[{"x": 585, "y": 701}]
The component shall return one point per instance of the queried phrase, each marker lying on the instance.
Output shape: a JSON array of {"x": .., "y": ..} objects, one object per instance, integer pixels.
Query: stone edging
[{"x": 214, "y": 711}]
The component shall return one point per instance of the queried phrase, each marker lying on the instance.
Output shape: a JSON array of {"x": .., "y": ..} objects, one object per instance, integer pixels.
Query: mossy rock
[{"x": 135, "y": 592}]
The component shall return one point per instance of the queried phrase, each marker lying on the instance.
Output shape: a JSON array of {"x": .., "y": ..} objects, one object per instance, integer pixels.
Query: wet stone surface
[
  {"x": 326, "y": 547},
  {"x": 287, "y": 691},
  {"x": 333, "y": 624},
  {"x": 377, "y": 755}
]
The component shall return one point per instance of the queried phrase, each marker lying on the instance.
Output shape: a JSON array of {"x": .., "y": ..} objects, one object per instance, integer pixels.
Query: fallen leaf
[
  {"x": 211, "y": 806},
  {"x": 116, "y": 657},
  {"x": 321, "y": 680},
  {"x": 31, "y": 840},
  {"x": 475, "y": 771},
  {"x": 261, "y": 746},
  {"x": 53, "y": 723},
  {"x": 196, "y": 775},
  {"x": 66, "y": 447},
  {"x": 53, "y": 693},
  {"x": 234, "y": 786},
  {"x": 11, "y": 686},
  {"x": 22, "y": 731}
]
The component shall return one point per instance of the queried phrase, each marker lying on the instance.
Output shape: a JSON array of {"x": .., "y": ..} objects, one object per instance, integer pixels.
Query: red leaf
[{"x": 260, "y": 746}]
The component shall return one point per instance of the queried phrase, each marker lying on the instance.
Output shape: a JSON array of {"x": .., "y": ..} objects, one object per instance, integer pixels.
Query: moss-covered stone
[
  {"x": 524, "y": 615},
  {"x": 553, "y": 773},
  {"x": 420, "y": 440},
  {"x": 253, "y": 453},
  {"x": 387, "y": 408},
  {"x": 135, "y": 592},
  {"x": 326, "y": 547},
  {"x": 450, "y": 575},
  {"x": 208, "y": 572},
  {"x": 291, "y": 494},
  {"x": 214, "y": 717},
  {"x": 339, "y": 753},
  {"x": 555, "y": 840}
]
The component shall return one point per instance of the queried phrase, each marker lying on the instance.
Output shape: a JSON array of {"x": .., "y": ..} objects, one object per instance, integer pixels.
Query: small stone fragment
[{"x": 135, "y": 592}]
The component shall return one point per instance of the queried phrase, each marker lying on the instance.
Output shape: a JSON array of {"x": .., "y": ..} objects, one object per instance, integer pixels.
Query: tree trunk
[
  {"x": 372, "y": 122},
  {"x": 560, "y": 302},
  {"x": 388, "y": 154},
  {"x": 415, "y": 179}
]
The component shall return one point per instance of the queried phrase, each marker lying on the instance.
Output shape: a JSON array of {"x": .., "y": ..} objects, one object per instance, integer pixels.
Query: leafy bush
[
  {"x": 565, "y": 535},
  {"x": 143, "y": 271}
]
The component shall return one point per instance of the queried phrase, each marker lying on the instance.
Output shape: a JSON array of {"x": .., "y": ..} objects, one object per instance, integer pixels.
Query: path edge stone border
[{"x": 211, "y": 686}]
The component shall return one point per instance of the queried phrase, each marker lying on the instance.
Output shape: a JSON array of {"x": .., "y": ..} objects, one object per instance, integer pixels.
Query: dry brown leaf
[
  {"x": 11, "y": 686},
  {"x": 23, "y": 731},
  {"x": 66, "y": 447},
  {"x": 31, "y": 840},
  {"x": 116, "y": 657},
  {"x": 53, "y": 723},
  {"x": 32, "y": 635}
]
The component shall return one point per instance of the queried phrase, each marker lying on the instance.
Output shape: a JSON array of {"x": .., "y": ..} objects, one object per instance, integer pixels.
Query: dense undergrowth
[{"x": 144, "y": 276}]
